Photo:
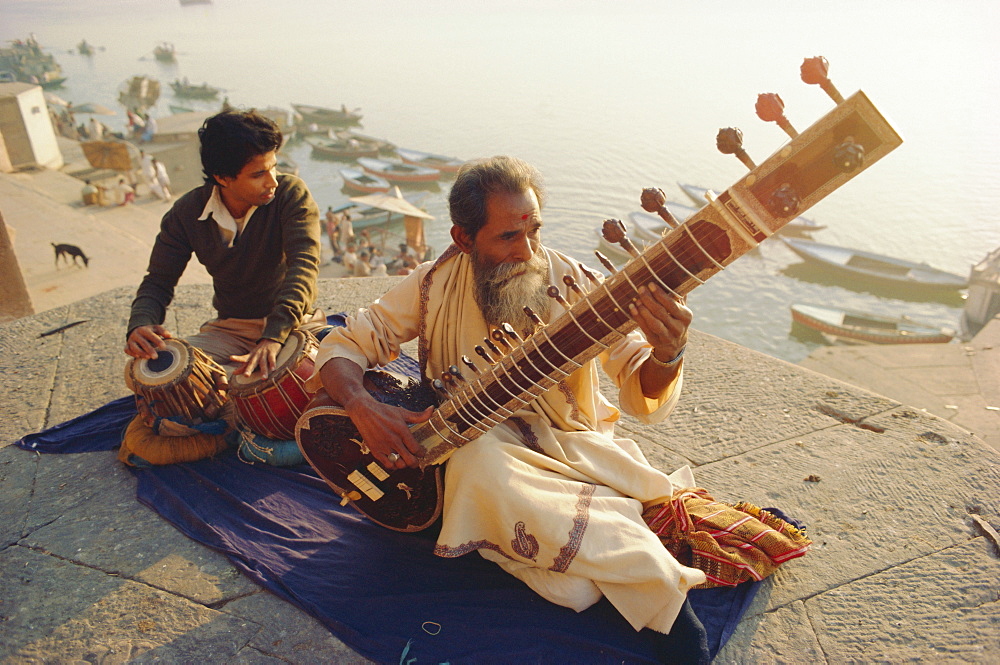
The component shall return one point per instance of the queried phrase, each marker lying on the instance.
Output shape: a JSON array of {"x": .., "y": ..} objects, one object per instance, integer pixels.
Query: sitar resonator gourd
[{"x": 815, "y": 162}]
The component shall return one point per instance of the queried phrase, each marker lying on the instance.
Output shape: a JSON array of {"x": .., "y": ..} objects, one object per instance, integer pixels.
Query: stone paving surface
[{"x": 898, "y": 570}]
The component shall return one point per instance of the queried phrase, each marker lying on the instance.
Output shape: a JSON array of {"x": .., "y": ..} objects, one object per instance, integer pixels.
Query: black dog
[{"x": 67, "y": 251}]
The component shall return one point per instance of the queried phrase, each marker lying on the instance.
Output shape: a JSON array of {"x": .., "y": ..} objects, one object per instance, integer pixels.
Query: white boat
[{"x": 439, "y": 162}]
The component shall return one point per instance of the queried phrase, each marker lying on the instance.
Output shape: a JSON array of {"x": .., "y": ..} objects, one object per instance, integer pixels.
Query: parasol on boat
[
  {"x": 55, "y": 99},
  {"x": 413, "y": 217},
  {"x": 392, "y": 201}
]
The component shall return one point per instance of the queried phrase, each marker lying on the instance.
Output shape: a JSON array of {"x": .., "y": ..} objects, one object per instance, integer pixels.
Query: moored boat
[
  {"x": 795, "y": 226},
  {"x": 326, "y": 116},
  {"x": 398, "y": 172},
  {"x": 25, "y": 61},
  {"x": 191, "y": 91},
  {"x": 286, "y": 165},
  {"x": 439, "y": 162},
  {"x": 337, "y": 148},
  {"x": 359, "y": 181},
  {"x": 864, "y": 327},
  {"x": 383, "y": 145},
  {"x": 165, "y": 52},
  {"x": 871, "y": 266}
]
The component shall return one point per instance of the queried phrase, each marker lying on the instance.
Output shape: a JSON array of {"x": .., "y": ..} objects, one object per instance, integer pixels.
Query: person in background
[{"x": 361, "y": 267}]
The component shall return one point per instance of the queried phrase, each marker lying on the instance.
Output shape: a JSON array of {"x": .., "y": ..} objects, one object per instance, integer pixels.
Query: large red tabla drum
[{"x": 271, "y": 406}]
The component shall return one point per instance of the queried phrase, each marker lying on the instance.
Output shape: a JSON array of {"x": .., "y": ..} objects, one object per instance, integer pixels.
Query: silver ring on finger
[{"x": 393, "y": 457}]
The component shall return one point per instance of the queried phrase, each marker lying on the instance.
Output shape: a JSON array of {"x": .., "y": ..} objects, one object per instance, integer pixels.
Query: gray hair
[{"x": 478, "y": 179}]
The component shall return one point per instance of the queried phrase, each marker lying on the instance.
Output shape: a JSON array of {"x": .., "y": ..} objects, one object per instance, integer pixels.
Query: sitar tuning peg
[
  {"x": 614, "y": 232},
  {"x": 498, "y": 336},
  {"x": 813, "y": 72},
  {"x": 571, "y": 283},
  {"x": 729, "y": 141},
  {"x": 530, "y": 313},
  {"x": 555, "y": 294},
  {"x": 471, "y": 365},
  {"x": 654, "y": 200},
  {"x": 770, "y": 108},
  {"x": 510, "y": 332},
  {"x": 606, "y": 262},
  {"x": 482, "y": 354}
]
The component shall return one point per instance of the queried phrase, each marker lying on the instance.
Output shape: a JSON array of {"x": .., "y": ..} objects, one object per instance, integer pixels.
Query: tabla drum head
[
  {"x": 288, "y": 355},
  {"x": 167, "y": 366}
]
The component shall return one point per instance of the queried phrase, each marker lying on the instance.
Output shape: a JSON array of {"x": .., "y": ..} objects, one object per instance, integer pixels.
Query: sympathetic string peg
[
  {"x": 455, "y": 372},
  {"x": 439, "y": 386},
  {"x": 471, "y": 365},
  {"x": 849, "y": 155},
  {"x": 571, "y": 283},
  {"x": 589, "y": 273},
  {"x": 614, "y": 232},
  {"x": 555, "y": 294},
  {"x": 784, "y": 202},
  {"x": 498, "y": 336},
  {"x": 814, "y": 72},
  {"x": 606, "y": 262},
  {"x": 530, "y": 313},
  {"x": 492, "y": 347},
  {"x": 770, "y": 108},
  {"x": 482, "y": 354},
  {"x": 729, "y": 141},
  {"x": 654, "y": 200},
  {"x": 510, "y": 332}
]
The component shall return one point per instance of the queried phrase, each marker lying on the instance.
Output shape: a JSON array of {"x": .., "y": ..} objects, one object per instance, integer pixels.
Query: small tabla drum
[
  {"x": 272, "y": 406},
  {"x": 180, "y": 381}
]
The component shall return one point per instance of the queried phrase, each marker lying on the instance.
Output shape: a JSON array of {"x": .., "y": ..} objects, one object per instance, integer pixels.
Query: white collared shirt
[{"x": 229, "y": 226}]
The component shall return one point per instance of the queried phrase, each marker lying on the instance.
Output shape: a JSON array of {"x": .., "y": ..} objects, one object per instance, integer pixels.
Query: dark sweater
[{"x": 269, "y": 272}]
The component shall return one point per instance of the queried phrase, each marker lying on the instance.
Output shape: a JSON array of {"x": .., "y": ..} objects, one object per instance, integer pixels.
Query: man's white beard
[{"x": 502, "y": 298}]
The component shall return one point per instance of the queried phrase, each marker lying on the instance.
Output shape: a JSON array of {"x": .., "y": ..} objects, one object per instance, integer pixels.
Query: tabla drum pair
[{"x": 182, "y": 381}]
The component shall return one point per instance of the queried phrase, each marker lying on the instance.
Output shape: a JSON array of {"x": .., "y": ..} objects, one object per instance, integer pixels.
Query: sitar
[{"x": 812, "y": 164}]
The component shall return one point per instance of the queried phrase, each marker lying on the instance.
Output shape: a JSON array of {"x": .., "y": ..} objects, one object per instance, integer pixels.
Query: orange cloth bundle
[
  {"x": 730, "y": 543},
  {"x": 141, "y": 442}
]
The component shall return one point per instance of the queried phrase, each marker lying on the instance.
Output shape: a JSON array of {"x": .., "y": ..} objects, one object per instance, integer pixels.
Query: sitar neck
[{"x": 789, "y": 182}]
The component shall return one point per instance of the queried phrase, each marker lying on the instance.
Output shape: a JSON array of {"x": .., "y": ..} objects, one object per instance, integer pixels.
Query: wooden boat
[
  {"x": 337, "y": 148},
  {"x": 649, "y": 227},
  {"x": 165, "y": 52},
  {"x": 175, "y": 109},
  {"x": 25, "y": 61},
  {"x": 797, "y": 226},
  {"x": 863, "y": 327},
  {"x": 439, "y": 162},
  {"x": 83, "y": 48},
  {"x": 383, "y": 145},
  {"x": 359, "y": 181},
  {"x": 397, "y": 172},
  {"x": 189, "y": 90},
  {"x": 324, "y": 116},
  {"x": 367, "y": 217},
  {"x": 870, "y": 266}
]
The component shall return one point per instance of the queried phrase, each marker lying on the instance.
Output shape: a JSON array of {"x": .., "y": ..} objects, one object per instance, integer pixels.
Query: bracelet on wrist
[{"x": 670, "y": 363}]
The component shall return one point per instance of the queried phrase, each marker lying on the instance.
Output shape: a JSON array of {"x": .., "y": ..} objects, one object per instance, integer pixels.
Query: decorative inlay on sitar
[{"x": 847, "y": 140}]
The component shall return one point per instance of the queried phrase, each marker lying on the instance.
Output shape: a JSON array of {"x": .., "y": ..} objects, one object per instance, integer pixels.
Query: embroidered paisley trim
[
  {"x": 465, "y": 548},
  {"x": 571, "y": 400},
  {"x": 568, "y": 551},
  {"x": 530, "y": 438},
  {"x": 524, "y": 544}
]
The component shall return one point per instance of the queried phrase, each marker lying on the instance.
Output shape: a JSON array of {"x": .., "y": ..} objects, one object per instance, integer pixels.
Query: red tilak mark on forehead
[{"x": 525, "y": 216}]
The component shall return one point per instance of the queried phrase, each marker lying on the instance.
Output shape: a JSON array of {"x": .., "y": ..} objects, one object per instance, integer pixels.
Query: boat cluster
[{"x": 864, "y": 271}]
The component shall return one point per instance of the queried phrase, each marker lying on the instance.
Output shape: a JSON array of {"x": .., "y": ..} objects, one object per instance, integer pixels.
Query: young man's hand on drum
[
  {"x": 145, "y": 341},
  {"x": 264, "y": 356}
]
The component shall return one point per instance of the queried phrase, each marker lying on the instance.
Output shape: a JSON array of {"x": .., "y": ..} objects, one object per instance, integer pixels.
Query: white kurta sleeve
[
  {"x": 372, "y": 336},
  {"x": 622, "y": 363}
]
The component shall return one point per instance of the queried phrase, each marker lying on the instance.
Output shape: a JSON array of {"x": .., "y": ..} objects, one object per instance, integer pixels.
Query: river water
[{"x": 605, "y": 99}]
